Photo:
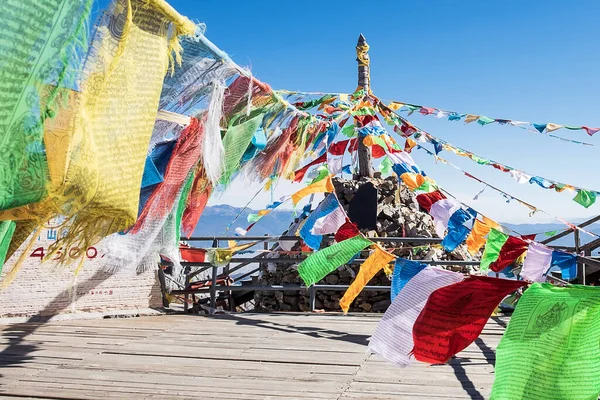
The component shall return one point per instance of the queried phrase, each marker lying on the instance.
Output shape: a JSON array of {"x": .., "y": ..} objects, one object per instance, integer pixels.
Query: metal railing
[{"x": 196, "y": 268}]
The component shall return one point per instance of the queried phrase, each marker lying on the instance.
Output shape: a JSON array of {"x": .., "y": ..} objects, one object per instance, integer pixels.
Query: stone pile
[{"x": 398, "y": 215}]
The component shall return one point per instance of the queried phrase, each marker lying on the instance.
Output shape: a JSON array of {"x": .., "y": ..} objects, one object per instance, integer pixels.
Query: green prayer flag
[
  {"x": 323, "y": 172},
  {"x": 182, "y": 203},
  {"x": 483, "y": 120},
  {"x": 550, "y": 233},
  {"x": 550, "y": 349},
  {"x": 321, "y": 263},
  {"x": 585, "y": 197},
  {"x": 427, "y": 187},
  {"x": 364, "y": 111},
  {"x": 7, "y": 228},
  {"x": 236, "y": 141},
  {"x": 40, "y": 45},
  {"x": 386, "y": 165},
  {"x": 348, "y": 130},
  {"x": 479, "y": 160},
  {"x": 253, "y": 218},
  {"x": 495, "y": 241}
]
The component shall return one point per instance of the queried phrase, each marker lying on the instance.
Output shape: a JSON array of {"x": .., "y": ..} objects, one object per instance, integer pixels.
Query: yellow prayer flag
[
  {"x": 395, "y": 106},
  {"x": 553, "y": 127},
  {"x": 322, "y": 186},
  {"x": 376, "y": 261},
  {"x": 471, "y": 118}
]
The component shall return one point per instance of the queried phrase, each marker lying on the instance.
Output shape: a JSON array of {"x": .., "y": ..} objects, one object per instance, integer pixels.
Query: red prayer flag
[
  {"x": 338, "y": 148},
  {"x": 299, "y": 174},
  {"x": 509, "y": 252},
  {"x": 353, "y": 145},
  {"x": 426, "y": 200},
  {"x": 455, "y": 315},
  {"x": 377, "y": 151},
  {"x": 346, "y": 231}
]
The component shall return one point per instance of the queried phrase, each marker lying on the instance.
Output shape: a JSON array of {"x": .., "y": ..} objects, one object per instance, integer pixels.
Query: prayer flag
[
  {"x": 495, "y": 241},
  {"x": 372, "y": 265},
  {"x": 321, "y": 263},
  {"x": 404, "y": 271},
  {"x": 537, "y": 262},
  {"x": 393, "y": 339},
  {"x": 331, "y": 222},
  {"x": 476, "y": 238},
  {"x": 567, "y": 264},
  {"x": 585, "y": 197},
  {"x": 511, "y": 250},
  {"x": 327, "y": 206},
  {"x": 455, "y": 315},
  {"x": 550, "y": 348},
  {"x": 346, "y": 231},
  {"x": 457, "y": 231},
  {"x": 441, "y": 211},
  {"x": 412, "y": 180},
  {"x": 299, "y": 174},
  {"x": 324, "y": 185},
  {"x": 426, "y": 200},
  {"x": 338, "y": 148}
]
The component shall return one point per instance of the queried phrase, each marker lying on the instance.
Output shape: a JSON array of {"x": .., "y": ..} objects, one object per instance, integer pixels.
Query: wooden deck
[{"x": 239, "y": 356}]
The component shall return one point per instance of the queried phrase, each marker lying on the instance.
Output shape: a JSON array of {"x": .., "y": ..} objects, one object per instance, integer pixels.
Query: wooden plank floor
[{"x": 234, "y": 356}]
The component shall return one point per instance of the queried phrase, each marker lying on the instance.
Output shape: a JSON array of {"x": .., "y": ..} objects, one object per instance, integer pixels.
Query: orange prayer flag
[{"x": 412, "y": 180}]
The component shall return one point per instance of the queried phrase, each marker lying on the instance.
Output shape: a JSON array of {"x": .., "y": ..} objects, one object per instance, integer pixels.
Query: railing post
[
  {"x": 213, "y": 284},
  {"x": 580, "y": 271},
  {"x": 311, "y": 291}
]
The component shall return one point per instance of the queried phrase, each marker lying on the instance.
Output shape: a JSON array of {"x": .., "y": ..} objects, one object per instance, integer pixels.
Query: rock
[
  {"x": 291, "y": 300},
  {"x": 332, "y": 279},
  {"x": 366, "y": 307},
  {"x": 381, "y": 305},
  {"x": 279, "y": 296}
]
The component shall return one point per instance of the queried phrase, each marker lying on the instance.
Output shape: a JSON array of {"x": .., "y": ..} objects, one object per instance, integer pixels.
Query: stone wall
[
  {"x": 44, "y": 289},
  {"x": 398, "y": 216}
]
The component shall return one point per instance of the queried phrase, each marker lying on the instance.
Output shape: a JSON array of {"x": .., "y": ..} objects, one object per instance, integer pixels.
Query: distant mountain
[{"x": 215, "y": 220}]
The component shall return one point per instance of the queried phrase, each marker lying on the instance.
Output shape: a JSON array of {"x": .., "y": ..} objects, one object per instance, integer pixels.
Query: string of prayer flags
[
  {"x": 322, "y": 186},
  {"x": 393, "y": 338},
  {"x": 455, "y": 315},
  {"x": 584, "y": 197},
  {"x": 324, "y": 261},
  {"x": 404, "y": 271},
  {"x": 483, "y": 120},
  {"x": 372, "y": 265},
  {"x": 550, "y": 348}
]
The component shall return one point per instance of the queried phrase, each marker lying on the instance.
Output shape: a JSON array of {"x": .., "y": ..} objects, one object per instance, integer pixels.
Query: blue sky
[{"x": 524, "y": 60}]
